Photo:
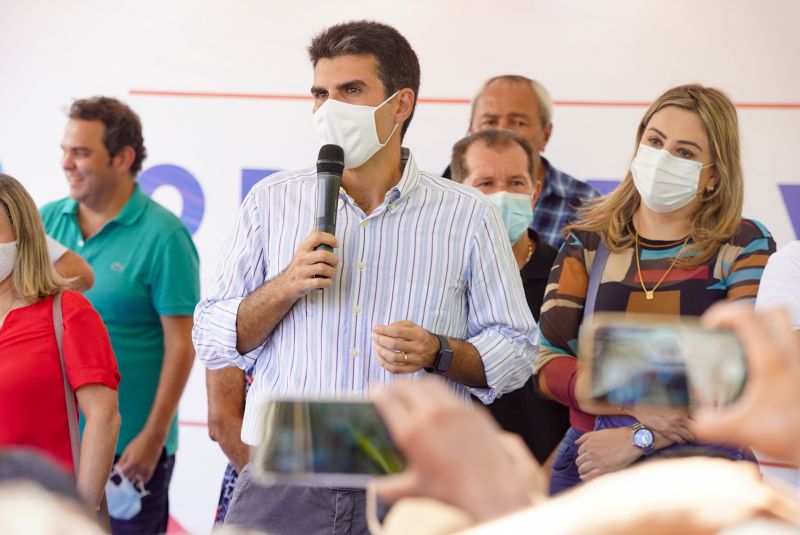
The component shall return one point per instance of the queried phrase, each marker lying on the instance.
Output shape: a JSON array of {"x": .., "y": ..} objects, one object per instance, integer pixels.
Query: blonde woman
[
  {"x": 32, "y": 400},
  {"x": 676, "y": 244}
]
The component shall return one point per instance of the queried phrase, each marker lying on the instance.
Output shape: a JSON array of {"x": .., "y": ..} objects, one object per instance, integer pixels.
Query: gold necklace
[
  {"x": 530, "y": 251},
  {"x": 650, "y": 294}
]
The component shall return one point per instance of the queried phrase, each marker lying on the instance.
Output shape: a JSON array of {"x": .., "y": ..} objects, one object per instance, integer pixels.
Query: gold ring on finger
[{"x": 405, "y": 358}]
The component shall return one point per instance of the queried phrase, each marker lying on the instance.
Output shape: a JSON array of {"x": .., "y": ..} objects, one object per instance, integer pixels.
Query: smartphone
[
  {"x": 324, "y": 443},
  {"x": 629, "y": 360}
]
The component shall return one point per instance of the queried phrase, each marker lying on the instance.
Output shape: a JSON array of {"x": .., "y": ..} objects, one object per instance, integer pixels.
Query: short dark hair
[
  {"x": 493, "y": 138},
  {"x": 122, "y": 125},
  {"x": 398, "y": 66}
]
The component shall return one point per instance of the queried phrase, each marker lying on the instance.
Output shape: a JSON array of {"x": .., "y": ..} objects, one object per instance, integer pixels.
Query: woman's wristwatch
[{"x": 643, "y": 438}]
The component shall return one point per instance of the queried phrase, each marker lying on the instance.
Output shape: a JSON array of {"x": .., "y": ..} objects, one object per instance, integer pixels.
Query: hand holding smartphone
[
  {"x": 641, "y": 360},
  {"x": 324, "y": 443}
]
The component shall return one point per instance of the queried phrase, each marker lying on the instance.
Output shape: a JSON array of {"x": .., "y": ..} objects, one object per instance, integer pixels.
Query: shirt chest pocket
[{"x": 433, "y": 307}]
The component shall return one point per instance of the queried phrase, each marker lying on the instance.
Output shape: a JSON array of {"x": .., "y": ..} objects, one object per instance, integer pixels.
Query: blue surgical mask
[
  {"x": 515, "y": 210},
  {"x": 124, "y": 499}
]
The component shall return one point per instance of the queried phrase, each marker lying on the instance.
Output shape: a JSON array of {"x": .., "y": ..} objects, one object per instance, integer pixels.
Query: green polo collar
[{"x": 129, "y": 214}]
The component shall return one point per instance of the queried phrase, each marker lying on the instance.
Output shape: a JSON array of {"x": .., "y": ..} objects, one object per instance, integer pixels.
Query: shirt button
[
  {"x": 354, "y": 352},
  {"x": 80, "y": 243},
  {"x": 364, "y": 223},
  {"x": 357, "y": 309},
  {"x": 361, "y": 265}
]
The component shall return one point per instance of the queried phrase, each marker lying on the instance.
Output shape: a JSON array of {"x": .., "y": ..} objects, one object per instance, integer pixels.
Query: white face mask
[
  {"x": 8, "y": 255},
  {"x": 124, "y": 499},
  {"x": 352, "y": 127},
  {"x": 665, "y": 182}
]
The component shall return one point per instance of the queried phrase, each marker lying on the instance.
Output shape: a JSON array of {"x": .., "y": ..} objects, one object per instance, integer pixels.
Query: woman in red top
[{"x": 33, "y": 410}]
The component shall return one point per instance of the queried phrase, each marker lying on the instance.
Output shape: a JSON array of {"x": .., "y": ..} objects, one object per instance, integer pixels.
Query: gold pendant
[{"x": 650, "y": 294}]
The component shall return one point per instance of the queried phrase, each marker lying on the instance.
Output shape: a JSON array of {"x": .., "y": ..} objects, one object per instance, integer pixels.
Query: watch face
[
  {"x": 443, "y": 362},
  {"x": 643, "y": 438}
]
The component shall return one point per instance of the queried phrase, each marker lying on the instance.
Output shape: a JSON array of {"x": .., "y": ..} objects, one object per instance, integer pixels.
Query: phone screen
[
  {"x": 665, "y": 364},
  {"x": 332, "y": 443}
]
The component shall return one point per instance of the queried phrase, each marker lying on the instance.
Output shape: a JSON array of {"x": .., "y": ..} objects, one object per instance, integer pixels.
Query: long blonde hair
[
  {"x": 719, "y": 215},
  {"x": 33, "y": 277}
]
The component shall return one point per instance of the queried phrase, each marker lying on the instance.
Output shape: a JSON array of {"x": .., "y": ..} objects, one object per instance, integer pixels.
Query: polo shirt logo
[{"x": 116, "y": 266}]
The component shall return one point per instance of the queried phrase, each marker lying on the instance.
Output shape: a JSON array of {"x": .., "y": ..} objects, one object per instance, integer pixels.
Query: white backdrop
[{"x": 602, "y": 61}]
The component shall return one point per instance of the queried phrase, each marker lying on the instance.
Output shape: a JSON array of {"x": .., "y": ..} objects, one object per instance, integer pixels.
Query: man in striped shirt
[{"x": 422, "y": 280}]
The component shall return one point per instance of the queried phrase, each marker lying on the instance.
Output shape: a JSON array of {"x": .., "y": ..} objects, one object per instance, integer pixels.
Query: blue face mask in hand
[
  {"x": 515, "y": 210},
  {"x": 124, "y": 499}
]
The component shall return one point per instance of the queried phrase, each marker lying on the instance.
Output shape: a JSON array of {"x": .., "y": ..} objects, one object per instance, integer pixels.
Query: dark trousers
[
  {"x": 153, "y": 517},
  {"x": 565, "y": 469},
  {"x": 288, "y": 510}
]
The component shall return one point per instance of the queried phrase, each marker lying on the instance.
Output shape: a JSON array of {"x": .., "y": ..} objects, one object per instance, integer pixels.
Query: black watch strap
[{"x": 443, "y": 358}]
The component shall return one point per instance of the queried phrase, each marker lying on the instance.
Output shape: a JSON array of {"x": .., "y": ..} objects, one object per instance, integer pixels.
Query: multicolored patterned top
[{"x": 733, "y": 274}]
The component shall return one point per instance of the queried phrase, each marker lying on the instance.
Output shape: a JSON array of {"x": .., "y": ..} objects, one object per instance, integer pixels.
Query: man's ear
[
  {"x": 537, "y": 190},
  {"x": 123, "y": 159},
  {"x": 548, "y": 131},
  {"x": 405, "y": 105}
]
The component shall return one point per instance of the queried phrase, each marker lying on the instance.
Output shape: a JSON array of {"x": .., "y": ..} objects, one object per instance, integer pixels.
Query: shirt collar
[
  {"x": 408, "y": 180},
  {"x": 70, "y": 207},
  {"x": 129, "y": 214},
  {"x": 134, "y": 208}
]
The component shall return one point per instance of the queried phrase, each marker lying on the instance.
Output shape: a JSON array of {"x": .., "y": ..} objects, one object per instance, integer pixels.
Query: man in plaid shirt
[{"x": 523, "y": 105}]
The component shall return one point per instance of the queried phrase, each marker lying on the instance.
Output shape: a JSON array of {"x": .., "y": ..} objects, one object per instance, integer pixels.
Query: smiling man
[
  {"x": 146, "y": 287},
  {"x": 422, "y": 280}
]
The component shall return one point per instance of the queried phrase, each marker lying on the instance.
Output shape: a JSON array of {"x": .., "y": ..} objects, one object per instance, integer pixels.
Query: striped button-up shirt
[{"x": 434, "y": 252}]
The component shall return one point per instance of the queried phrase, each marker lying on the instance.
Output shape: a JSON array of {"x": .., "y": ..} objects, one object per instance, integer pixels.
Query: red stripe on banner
[
  {"x": 435, "y": 100},
  {"x": 189, "y": 423},
  {"x": 602, "y": 104},
  {"x": 210, "y": 94}
]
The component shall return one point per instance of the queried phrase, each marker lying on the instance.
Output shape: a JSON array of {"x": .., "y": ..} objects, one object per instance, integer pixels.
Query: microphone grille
[{"x": 331, "y": 158}]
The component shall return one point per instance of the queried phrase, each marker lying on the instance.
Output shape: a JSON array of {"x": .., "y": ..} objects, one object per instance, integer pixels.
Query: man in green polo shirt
[{"x": 146, "y": 287}]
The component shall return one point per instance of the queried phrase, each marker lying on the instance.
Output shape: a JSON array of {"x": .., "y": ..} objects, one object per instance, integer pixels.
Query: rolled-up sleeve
[
  {"x": 499, "y": 322},
  {"x": 241, "y": 269}
]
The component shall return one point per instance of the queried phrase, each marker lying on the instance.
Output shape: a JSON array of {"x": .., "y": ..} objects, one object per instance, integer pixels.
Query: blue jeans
[
  {"x": 565, "y": 469},
  {"x": 153, "y": 517}
]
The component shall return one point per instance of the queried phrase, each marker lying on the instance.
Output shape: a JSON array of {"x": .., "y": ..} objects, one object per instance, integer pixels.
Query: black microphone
[{"x": 330, "y": 165}]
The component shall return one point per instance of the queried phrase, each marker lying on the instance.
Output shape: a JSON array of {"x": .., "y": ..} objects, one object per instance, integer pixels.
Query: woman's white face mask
[
  {"x": 665, "y": 182},
  {"x": 8, "y": 256}
]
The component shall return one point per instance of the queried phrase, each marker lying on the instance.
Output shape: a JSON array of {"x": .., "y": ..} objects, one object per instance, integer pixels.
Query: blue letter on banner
[
  {"x": 188, "y": 186},
  {"x": 251, "y": 177}
]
